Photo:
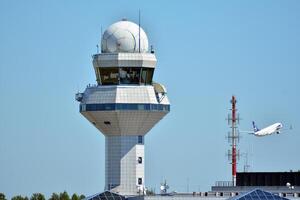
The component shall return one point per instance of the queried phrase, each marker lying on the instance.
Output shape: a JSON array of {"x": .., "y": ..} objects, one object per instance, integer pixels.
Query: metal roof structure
[
  {"x": 107, "y": 195},
  {"x": 258, "y": 194}
]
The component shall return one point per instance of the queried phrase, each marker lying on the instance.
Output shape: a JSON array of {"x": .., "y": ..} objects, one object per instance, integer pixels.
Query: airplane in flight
[{"x": 269, "y": 130}]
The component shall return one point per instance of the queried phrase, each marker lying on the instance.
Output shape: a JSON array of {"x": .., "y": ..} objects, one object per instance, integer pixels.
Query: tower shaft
[{"x": 124, "y": 168}]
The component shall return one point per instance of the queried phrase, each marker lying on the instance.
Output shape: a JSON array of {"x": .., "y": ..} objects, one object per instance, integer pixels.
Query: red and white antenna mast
[{"x": 233, "y": 138}]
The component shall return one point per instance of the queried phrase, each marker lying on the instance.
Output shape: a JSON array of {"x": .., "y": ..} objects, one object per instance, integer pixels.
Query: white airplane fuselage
[{"x": 274, "y": 128}]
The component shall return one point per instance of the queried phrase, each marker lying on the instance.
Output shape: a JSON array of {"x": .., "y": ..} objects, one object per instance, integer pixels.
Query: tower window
[
  {"x": 109, "y": 76},
  {"x": 107, "y": 122},
  {"x": 130, "y": 75},
  {"x": 146, "y": 77},
  {"x": 140, "y": 139},
  {"x": 124, "y": 75},
  {"x": 140, "y": 160},
  {"x": 140, "y": 181}
]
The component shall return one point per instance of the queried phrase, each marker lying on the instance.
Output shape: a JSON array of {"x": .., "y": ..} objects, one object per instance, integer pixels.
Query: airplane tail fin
[{"x": 255, "y": 129}]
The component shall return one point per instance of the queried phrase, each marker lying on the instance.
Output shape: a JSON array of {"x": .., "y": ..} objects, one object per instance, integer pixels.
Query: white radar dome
[{"x": 123, "y": 36}]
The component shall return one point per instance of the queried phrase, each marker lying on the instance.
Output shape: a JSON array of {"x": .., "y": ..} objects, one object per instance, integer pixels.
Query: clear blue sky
[{"x": 206, "y": 51}]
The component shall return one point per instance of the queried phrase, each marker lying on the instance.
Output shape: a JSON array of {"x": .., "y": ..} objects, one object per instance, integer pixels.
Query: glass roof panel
[
  {"x": 106, "y": 196},
  {"x": 259, "y": 195}
]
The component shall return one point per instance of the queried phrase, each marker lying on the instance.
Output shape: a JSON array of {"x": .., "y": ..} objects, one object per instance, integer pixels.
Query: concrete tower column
[{"x": 124, "y": 163}]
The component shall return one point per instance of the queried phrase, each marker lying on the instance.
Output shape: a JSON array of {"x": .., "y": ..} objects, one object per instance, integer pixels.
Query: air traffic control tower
[{"x": 124, "y": 104}]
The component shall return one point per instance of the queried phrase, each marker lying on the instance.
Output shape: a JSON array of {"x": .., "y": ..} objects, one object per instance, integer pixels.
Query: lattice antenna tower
[
  {"x": 246, "y": 162},
  {"x": 233, "y": 138}
]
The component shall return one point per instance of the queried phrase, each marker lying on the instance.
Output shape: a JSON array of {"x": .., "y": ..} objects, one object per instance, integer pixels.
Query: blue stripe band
[{"x": 123, "y": 106}]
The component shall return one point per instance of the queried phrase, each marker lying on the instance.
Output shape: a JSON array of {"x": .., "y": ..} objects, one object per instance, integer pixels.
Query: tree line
[{"x": 38, "y": 196}]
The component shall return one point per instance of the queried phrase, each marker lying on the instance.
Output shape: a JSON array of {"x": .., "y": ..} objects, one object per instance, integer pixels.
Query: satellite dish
[
  {"x": 79, "y": 97},
  {"x": 159, "y": 88}
]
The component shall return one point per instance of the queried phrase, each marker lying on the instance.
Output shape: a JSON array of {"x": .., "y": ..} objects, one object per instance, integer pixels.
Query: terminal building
[
  {"x": 125, "y": 103},
  {"x": 281, "y": 183},
  {"x": 250, "y": 186}
]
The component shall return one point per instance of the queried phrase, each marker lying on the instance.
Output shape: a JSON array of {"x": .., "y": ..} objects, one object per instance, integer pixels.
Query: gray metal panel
[
  {"x": 124, "y": 122},
  {"x": 124, "y": 60}
]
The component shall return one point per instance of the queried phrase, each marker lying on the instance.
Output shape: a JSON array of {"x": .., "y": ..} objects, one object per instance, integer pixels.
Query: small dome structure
[{"x": 123, "y": 36}]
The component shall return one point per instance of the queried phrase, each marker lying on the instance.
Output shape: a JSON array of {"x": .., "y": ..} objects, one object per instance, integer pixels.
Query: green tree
[
  {"x": 64, "y": 196},
  {"x": 81, "y": 197},
  {"x": 2, "y": 196},
  {"x": 19, "y": 197},
  {"x": 54, "y": 196},
  {"x": 75, "y": 197},
  {"x": 37, "y": 196}
]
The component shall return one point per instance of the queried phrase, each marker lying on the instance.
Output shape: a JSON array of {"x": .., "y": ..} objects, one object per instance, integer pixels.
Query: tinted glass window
[
  {"x": 109, "y": 76},
  {"x": 123, "y": 106},
  {"x": 140, "y": 139},
  {"x": 140, "y": 181},
  {"x": 130, "y": 75},
  {"x": 140, "y": 160},
  {"x": 146, "y": 76},
  {"x": 125, "y": 75}
]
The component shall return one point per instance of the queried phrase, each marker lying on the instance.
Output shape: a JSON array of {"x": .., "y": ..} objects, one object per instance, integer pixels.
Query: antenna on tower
[
  {"x": 246, "y": 164},
  {"x": 139, "y": 31},
  {"x": 152, "y": 49},
  {"x": 101, "y": 40},
  {"x": 164, "y": 188},
  {"x": 233, "y": 138},
  {"x": 246, "y": 156}
]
